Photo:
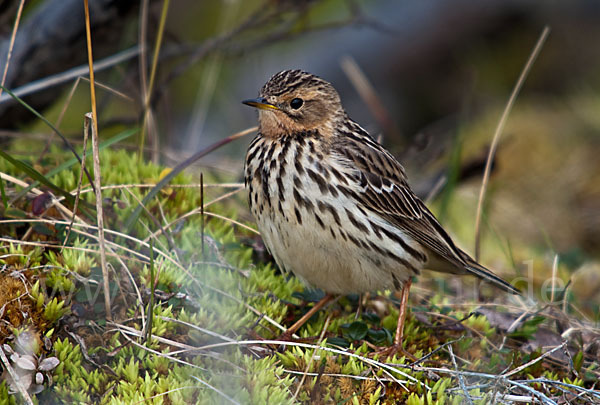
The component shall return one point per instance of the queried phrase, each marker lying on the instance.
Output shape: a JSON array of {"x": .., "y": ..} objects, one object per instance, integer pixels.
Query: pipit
[{"x": 333, "y": 206}]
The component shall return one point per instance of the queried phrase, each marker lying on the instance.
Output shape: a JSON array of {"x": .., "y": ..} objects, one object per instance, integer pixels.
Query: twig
[
  {"x": 594, "y": 393},
  {"x": 198, "y": 328},
  {"x": 437, "y": 349}
]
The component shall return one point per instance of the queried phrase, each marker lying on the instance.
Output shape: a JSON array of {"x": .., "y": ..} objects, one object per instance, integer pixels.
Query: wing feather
[{"x": 384, "y": 191}]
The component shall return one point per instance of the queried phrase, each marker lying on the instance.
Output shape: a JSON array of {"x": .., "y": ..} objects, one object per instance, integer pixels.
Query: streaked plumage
[{"x": 332, "y": 205}]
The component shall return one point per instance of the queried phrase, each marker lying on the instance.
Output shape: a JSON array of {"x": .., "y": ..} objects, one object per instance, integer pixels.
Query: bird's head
[{"x": 294, "y": 101}]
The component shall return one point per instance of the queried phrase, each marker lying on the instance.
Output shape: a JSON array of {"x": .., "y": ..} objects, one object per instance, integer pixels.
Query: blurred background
[{"x": 431, "y": 78}]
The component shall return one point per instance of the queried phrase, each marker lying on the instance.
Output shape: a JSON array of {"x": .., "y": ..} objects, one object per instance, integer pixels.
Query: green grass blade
[
  {"x": 34, "y": 174},
  {"x": 3, "y": 193}
]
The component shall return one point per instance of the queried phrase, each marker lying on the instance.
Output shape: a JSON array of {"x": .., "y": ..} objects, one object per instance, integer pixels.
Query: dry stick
[
  {"x": 384, "y": 367},
  {"x": 100, "y": 215},
  {"x": 96, "y": 155},
  {"x": 499, "y": 128},
  {"x": 198, "y": 328}
]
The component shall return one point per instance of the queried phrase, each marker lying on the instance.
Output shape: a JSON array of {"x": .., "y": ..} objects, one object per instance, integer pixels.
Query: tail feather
[{"x": 461, "y": 263}]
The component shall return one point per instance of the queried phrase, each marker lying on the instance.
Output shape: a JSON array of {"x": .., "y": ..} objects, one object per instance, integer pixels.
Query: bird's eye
[{"x": 296, "y": 103}]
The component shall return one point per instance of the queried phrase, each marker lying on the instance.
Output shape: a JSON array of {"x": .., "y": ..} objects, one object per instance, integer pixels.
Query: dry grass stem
[
  {"x": 369, "y": 96},
  {"x": 99, "y": 211},
  {"x": 498, "y": 132},
  {"x": 11, "y": 45}
]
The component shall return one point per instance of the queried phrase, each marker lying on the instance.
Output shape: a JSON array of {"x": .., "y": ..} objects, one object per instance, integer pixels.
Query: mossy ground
[{"x": 210, "y": 306}]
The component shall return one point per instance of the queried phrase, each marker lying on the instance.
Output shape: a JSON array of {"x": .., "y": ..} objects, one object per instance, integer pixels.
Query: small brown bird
[{"x": 333, "y": 206}]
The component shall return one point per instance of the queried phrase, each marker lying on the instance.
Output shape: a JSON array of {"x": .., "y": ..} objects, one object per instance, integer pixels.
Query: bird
[{"x": 334, "y": 207}]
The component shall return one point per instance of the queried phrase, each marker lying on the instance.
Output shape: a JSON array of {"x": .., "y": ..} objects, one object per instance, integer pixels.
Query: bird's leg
[
  {"x": 397, "y": 346},
  {"x": 402, "y": 313},
  {"x": 362, "y": 299},
  {"x": 294, "y": 328}
]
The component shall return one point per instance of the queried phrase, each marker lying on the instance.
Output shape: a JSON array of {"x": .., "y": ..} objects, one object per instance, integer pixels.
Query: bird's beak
[{"x": 260, "y": 103}]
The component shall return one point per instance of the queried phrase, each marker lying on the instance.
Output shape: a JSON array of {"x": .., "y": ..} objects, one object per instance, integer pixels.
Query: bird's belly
[
  {"x": 322, "y": 261},
  {"x": 327, "y": 250}
]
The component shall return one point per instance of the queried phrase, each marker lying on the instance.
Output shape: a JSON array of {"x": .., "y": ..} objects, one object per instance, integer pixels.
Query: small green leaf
[
  {"x": 3, "y": 194},
  {"x": 355, "y": 331},
  {"x": 43, "y": 229},
  {"x": 338, "y": 341},
  {"x": 371, "y": 317},
  {"x": 379, "y": 337},
  {"x": 14, "y": 213},
  {"x": 578, "y": 361}
]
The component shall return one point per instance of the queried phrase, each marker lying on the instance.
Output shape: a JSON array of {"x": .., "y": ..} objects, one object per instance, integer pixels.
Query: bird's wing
[{"x": 385, "y": 191}]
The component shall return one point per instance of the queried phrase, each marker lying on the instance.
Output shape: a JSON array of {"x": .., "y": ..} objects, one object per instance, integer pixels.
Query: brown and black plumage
[{"x": 332, "y": 205}]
